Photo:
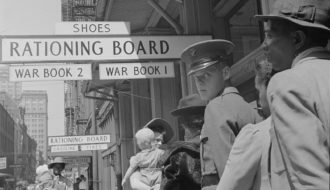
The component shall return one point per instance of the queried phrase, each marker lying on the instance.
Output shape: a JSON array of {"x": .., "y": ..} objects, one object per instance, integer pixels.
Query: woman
[{"x": 247, "y": 165}]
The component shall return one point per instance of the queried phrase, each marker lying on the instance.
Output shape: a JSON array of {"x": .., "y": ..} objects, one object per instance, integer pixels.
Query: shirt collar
[
  {"x": 305, "y": 54},
  {"x": 229, "y": 90}
]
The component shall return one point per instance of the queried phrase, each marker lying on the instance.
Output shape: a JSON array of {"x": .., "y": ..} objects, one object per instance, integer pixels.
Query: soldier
[
  {"x": 225, "y": 114},
  {"x": 297, "y": 33}
]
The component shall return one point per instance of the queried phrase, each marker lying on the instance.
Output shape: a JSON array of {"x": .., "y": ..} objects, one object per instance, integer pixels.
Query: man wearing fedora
[
  {"x": 60, "y": 182},
  {"x": 226, "y": 112},
  {"x": 297, "y": 33}
]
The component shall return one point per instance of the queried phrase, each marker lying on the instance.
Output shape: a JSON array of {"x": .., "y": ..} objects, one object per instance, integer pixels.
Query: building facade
[
  {"x": 7, "y": 149},
  {"x": 121, "y": 107},
  {"x": 13, "y": 89},
  {"x": 36, "y": 119}
]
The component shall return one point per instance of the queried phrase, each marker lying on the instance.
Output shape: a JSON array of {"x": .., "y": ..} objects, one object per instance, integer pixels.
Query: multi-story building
[
  {"x": 7, "y": 128},
  {"x": 36, "y": 118},
  {"x": 13, "y": 89}
]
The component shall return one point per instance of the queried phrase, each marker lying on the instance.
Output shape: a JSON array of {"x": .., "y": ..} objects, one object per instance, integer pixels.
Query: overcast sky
[{"x": 37, "y": 17}]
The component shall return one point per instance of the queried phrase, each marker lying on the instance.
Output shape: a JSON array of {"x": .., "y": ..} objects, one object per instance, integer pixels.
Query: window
[{"x": 244, "y": 30}]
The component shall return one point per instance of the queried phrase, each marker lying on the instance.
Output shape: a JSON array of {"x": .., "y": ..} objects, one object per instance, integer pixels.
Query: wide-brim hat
[
  {"x": 155, "y": 123},
  {"x": 306, "y": 13},
  {"x": 57, "y": 160},
  {"x": 190, "y": 105},
  {"x": 204, "y": 54}
]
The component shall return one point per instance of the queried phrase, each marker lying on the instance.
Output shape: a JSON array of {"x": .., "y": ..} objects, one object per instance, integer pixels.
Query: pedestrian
[
  {"x": 146, "y": 161},
  {"x": 60, "y": 182},
  {"x": 247, "y": 165},
  {"x": 44, "y": 178},
  {"x": 83, "y": 183},
  {"x": 182, "y": 168},
  {"x": 163, "y": 134},
  {"x": 296, "y": 36},
  {"x": 226, "y": 112},
  {"x": 76, "y": 185}
]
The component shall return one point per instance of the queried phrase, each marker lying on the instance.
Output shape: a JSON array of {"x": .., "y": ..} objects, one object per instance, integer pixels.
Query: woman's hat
[
  {"x": 164, "y": 126},
  {"x": 190, "y": 105},
  {"x": 57, "y": 160},
  {"x": 306, "y": 13}
]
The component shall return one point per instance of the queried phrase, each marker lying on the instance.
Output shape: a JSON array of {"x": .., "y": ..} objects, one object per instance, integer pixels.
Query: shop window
[{"x": 244, "y": 30}]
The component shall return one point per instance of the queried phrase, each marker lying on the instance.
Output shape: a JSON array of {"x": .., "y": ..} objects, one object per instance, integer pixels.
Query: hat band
[
  {"x": 309, "y": 13},
  {"x": 207, "y": 61}
]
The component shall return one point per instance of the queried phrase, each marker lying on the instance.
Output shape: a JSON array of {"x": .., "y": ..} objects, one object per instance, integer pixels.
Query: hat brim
[
  {"x": 50, "y": 166},
  {"x": 296, "y": 21},
  {"x": 166, "y": 126},
  {"x": 189, "y": 110}
]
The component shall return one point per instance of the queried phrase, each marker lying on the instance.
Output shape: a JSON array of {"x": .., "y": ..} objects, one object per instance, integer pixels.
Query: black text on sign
[
  {"x": 136, "y": 70},
  {"x": 50, "y": 72}
]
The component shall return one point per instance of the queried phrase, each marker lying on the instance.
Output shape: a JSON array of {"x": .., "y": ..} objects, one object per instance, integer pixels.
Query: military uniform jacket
[
  {"x": 299, "y": 99},
  {"x": 224, "y": 117}
]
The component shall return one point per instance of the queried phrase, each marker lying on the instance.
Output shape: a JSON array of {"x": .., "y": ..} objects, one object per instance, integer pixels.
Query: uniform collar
[
  {"x": 305, "y": 54},
  {"x": 229, "y": 90}
]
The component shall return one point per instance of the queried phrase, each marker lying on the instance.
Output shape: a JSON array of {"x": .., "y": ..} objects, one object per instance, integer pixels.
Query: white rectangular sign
[
  {"x": 50, "y": 72},
  {"x": 74, "y": 48},
  {"x": 3, "y": 163},
  {"x": 136, "y": 70},
  {"x": 77, "y": 160},
  {"x": 71, "y": 140},
  {"x": 92, "y": 28},
  {"x": 93, "y": 147},
  {"x": 66, "y": 148}
]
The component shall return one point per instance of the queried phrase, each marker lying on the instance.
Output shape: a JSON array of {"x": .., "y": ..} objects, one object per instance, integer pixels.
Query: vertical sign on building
[{"x": 3, "y": 163}]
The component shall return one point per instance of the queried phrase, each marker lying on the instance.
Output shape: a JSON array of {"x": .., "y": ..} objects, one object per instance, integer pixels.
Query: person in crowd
[
  {"x": 76, "y": 185},
  {"x": 83, "y": 182},
  {"x": 226, "y": 112},
  {"x": 247, "y": 165},
  {"x": 296, "y": 36},
  {"x": 163, "y": 134},
  {"x": 60, "y": 182},
  {"x": 44, "y": 178},
  {"x": 146, "y": 161},
  {"x": 182, "y": 168}
]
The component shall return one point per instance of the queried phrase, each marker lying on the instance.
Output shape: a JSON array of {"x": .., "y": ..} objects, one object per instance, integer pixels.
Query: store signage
[
  {"x": 3, "y": 163},
  {"x": 72, "y": 140},
  {"x": 50, "y": 72},
  {"x": 136, "y": 70},
  {"x": 92, "y": 28},
  {"x": 81, "y": 121},
  {"x": 77, "y": 160},
  {"x": 93, "y": 147},
  {"x": 78, "y": 48},
  {"x": 67, "y": 148}
]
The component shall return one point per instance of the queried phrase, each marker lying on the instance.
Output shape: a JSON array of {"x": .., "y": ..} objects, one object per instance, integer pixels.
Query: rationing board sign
[
  {"x": 50, "y": 72},
  {"x": 73, "y": 140},
  {"x": 136, "y": 70},
  {"x": 83, "y": 48}
]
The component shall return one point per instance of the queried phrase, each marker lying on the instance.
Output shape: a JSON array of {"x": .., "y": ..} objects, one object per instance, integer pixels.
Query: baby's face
[
  {"x": 144, "y": 144},
  {"x": 159, "y": 137}
]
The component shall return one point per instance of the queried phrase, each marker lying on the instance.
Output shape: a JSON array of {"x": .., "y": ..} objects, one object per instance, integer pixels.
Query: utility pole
[{"x": 95, "y": 155}]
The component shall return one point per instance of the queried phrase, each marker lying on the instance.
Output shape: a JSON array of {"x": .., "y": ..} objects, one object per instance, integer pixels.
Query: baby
[
  {"x": 44, "y": 179},
  {"x": 146, "y": 160}
]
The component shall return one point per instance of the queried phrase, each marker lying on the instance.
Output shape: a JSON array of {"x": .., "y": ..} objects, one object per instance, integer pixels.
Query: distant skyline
[{"x": 36, "y": 17}]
